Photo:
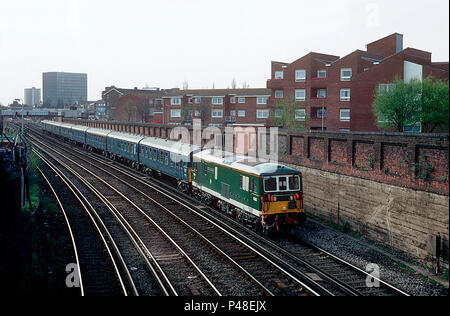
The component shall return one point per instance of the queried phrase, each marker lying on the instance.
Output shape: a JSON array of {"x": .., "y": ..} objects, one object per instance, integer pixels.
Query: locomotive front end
[{"x": 282, "y": 201}]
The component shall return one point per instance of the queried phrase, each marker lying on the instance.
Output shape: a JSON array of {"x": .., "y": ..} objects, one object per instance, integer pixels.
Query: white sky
[{"x": 204, "y": 42}]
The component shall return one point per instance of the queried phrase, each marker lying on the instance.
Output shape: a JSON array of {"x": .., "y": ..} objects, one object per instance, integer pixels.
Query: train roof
[
  {"x": 176, "y": 147},
  {"x": 244, "y": 163},
  {"x": 80, "y": 128},
  {"x": 126, "y": 137},
  {"x": 99, "y": 131}
]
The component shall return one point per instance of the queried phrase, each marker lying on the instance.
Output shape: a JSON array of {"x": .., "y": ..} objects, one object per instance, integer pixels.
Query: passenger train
[{"x": 266, "y": 196}]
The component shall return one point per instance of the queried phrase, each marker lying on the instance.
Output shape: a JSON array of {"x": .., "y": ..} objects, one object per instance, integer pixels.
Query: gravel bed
[{"x": 360, "y": 253}]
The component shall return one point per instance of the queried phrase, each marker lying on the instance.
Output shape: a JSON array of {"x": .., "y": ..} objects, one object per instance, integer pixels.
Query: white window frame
[
  {"x": 278, "y": 92},
  {"x": 217, "y": 116},
  {"x": 300, "y": 114},
  {"x": 298, "y": 75},
  {"x": 241, "y": 100},
  {"x": 297, "y": 98},
  {"x": 261, "y": 100},
  {"x": 175, "y": 111},
  {"x": 259, "y": 112},
  {"x": 217, "y": 100},
  {"x": 343, "y": 97},
  {"x": 320, "y": 97},
  {"x": 321, "y": 71},
  {"x": 233, "y": 113},
  {"x": 175, "y": 101},
  {"x": 279, "y": 74},
  {"x": 346, "y": 78},
  {"x": 233, "y": 100},
  {"x": 345, "y": 118},
  {"x": 197, "y": 100},
  {"x": 197, "y": 113},
  {"x": 241, "y": 113},
  {"x": 386, "y": 87}
]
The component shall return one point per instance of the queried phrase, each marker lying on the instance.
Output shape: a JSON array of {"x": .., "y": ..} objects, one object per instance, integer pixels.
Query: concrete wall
[{"x": 399, "y": 218}]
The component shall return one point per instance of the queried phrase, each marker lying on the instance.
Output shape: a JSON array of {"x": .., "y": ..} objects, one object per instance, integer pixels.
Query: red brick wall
[
  {"x": 413, "y": 161},
  {"x": 385, "y": 46}
]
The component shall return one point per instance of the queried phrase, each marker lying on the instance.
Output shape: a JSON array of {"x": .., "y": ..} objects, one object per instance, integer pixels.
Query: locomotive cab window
[
  {"x": 294, "y": 183},
  {"x": 282, "y": 184},
  {"x": 270, "y": 184}
]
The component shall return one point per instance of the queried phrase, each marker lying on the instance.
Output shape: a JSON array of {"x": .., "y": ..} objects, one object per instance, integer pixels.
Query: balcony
[{"x": 275, "y": 84}]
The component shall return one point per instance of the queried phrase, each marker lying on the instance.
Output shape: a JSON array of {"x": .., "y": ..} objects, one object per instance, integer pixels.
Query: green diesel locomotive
[{"x": 267, "y": 196}]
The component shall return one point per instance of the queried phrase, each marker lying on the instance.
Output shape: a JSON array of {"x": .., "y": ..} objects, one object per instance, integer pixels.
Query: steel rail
[
  {"x": 84, "y": 201},
  {"x": 180, "y": 250}
]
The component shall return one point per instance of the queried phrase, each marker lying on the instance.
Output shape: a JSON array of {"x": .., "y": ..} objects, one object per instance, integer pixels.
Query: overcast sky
[{"x": 135, "y": 43}]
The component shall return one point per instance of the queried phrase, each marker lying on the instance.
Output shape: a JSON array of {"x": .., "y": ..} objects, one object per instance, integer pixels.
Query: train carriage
[
  {"x": 97, "y": 138},
  {"x": 65, "y": 130},
  {"x": 122, "y": 145},
  {"x": 265, "y": 194},
  {"x": 78, "y": 134},
  {"x": 169, "y": 157}
]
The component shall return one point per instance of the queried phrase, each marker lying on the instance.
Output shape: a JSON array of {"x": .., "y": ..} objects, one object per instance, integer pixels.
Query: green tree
[
  {"x": 289, "y": 113},
  {"x": 435, "y": 112},
  {"x": 398, "y": 104}
]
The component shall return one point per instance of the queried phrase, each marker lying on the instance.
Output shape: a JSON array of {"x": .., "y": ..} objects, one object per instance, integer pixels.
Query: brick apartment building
[
  {"x": 218, "y": 107},
  {"x": 115, "y": 100},
  {"x": 337, "y": 93}
]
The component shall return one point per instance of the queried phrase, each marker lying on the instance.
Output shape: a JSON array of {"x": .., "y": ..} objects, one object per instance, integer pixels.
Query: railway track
[
  {"x": 97, "y": 271},
  {"x": 248, "y": 269},
  {"x": 296, "y": 257}
]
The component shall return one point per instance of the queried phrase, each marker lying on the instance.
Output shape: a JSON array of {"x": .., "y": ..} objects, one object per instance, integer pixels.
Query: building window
[
  {"x": 384, "y": 88},
  {"x": 300, "y": 94},
  {"x": 233, "y": 100},
  {"x": 345, "y": 94},
  {"x": 262, "y": 114},
  {"x": 197, "y": 100},
  {"x": 241, "y": 113},
  {"x": 278, "y": 74},
  {"x": 321, "y": 93},
  {"x": 322, "y": 73},
  {"x": 345, "y": 115},
  {"x": 217, "y": 101},
  {"x": 232, "y": 113},
  {"x": 319, "y": 113},
  {"x": 175, "y": 101},
  {"x": 300, "y": 114},
  {"x": 279, "y": 94},
  {"x": 278, "y": 113},
  {"x": 241, "y": 100},
  {"x": 300, "y": 75},
  {"x": 346, "y": 74},
  {"x": 217, "y": 113},
  {"x": 175, "y": 113},
  {"x": 261, "y": 100},
  {"x": 197, "y": 113}
]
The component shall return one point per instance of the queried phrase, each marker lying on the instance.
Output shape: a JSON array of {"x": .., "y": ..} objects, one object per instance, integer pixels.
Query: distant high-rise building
[
  {"x": 32, "y": 96},
  {"x": 63, "y": 88}
]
